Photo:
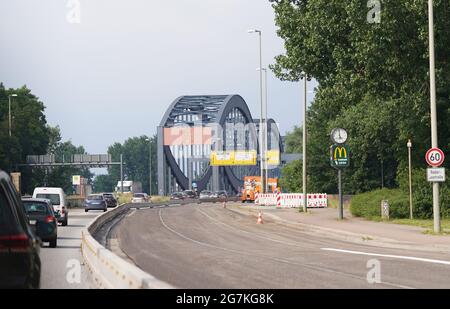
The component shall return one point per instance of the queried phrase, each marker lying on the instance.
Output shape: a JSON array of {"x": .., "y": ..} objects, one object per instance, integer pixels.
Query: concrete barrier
[
  {"x": 111, "y": 271},
  {"x": 106, "y": 268}
]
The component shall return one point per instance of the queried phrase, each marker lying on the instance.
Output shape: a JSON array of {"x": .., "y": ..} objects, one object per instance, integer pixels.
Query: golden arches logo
[{"x": 342, "y": 153}]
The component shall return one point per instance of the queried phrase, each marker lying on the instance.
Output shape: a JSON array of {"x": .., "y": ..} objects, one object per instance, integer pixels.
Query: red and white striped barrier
[{"x": 314, "y": 200}]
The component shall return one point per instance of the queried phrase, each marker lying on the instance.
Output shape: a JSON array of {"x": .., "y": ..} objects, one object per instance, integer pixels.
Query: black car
[
  {"x": 42, "y": 219},
  {"x": 190, "y": 194},
  {"x": 178, "y": 196},
  {"x": 110, "y": 199},
  {"x": 20, "y": 264}
]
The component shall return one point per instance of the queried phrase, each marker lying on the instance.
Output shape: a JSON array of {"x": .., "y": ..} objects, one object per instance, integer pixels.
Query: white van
[{"x": 58, "y": 199}]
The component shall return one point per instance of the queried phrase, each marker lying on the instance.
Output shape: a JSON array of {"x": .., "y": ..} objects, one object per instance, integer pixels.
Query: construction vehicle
[{"x": 252, "y": 184}]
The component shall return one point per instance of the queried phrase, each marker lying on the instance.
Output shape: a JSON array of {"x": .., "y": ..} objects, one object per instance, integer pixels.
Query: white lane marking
[
  {"x": 412, "y": 258},
  {"x": 316, "y": 268}
]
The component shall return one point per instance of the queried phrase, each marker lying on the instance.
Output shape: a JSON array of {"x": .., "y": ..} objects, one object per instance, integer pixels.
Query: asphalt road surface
[
  {"x": 207, "y": 246},
  {"x": 63, "y": 266}
]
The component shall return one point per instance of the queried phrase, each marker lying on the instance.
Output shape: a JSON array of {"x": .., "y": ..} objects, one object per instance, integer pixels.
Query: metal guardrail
[{"x": 111, "y": 271}]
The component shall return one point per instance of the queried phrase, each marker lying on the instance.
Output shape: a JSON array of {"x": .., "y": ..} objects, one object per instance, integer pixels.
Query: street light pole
[
  {"x": 261, "y": 148},
  {"x": 265, "y": 132},
  {"x": 305, "y": 201},
  {"x": 9, "y": 111},
  {"x": 434, "y": 135},
  {"x": 409, "y": 145}
]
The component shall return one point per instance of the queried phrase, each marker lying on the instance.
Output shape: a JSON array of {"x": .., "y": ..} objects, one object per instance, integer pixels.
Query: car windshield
[
  {"x": 36, "y": 208},
  {"x": 53, "y": 197},
  {"x": 107, "y": 195},
  {"x": 138, "y": 195},
  {"x": 95, "y": 197}
]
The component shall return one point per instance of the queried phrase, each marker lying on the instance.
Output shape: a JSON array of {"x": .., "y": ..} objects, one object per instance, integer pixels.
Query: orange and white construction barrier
[
  {"x": 260, "y": 218},
  {"x": 314, "y": 200}
]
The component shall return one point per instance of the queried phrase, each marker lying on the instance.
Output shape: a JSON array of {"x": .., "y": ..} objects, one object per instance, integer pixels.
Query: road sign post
[{"x": 435, "y": 157}]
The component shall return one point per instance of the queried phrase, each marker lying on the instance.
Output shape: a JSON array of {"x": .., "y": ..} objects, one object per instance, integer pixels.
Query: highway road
[
  {"x": 63, "y": 267},
  {"x": 207, "y": 246}
]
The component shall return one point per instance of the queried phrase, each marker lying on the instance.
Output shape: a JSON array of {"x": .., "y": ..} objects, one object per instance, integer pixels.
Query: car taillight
[
  {"x": 14, "y": 243},
  {"x": 49, "y": 219}
]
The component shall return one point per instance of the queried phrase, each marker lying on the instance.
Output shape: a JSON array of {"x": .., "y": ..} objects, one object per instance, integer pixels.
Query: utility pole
[
  {"x": 261, "y": 126},
  {"x": 305, "y": 200},
  {"x": 434, "y": 133}
]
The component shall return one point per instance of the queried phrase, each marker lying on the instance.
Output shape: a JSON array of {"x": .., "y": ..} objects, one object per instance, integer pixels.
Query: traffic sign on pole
[{"x": 435, "y": 157}]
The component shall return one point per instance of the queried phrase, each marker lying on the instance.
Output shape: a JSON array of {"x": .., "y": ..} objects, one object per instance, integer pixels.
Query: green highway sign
[{"x": 339, "y": 156}]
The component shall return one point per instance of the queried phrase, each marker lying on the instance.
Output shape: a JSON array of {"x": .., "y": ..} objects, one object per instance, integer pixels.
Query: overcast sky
[{"x": 113, "y": 75}]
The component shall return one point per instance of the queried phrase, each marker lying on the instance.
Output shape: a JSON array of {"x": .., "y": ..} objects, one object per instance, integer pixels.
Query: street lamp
[
  {"x": 265, "y": 131},
  {"x": 261, "y": 149},
  {"x": 409, "y": 145},
  {"x": 434, "y": 133},
  {"x": 305, "y": 201},
  {"x": 9, "y": 111},
  {"x": 149, "y": 165}
]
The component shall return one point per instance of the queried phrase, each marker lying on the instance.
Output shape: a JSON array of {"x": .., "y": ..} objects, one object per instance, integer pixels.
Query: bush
[
  {"x": 423, "y": 193},
  {"x": 368, "y": 205}
]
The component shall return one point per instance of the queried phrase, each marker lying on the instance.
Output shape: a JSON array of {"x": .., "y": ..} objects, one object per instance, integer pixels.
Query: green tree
[
  {"x": 103, "y": 183},
  {"x": 373, "y": 81},
  {"x": 135, "y": 151}
]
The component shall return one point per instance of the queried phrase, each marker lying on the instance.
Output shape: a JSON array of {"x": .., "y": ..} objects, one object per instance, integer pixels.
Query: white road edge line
[{"x": 412, "y": 258}]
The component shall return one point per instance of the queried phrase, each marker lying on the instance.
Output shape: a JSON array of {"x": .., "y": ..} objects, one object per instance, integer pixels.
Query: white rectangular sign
[
  {"x": 436, "y": 174},
  {"x": 76, "y": 180}
]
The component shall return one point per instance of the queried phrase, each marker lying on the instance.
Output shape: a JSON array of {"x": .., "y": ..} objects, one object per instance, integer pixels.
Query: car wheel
[
  {"x": 53, "y": 243},
  {"x": 85, "y": 210},
  {"x": 104, "y": 210}
]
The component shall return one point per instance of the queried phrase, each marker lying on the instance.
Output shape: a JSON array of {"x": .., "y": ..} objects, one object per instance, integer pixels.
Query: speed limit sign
[{"x": 435, "y": 157}]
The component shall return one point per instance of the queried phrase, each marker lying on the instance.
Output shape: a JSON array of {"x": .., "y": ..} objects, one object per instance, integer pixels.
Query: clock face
[{"x": 339, "y": 136}]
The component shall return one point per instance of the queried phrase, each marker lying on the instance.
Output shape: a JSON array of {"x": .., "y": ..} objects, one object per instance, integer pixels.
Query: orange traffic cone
[{"x": 260, "y": 218}]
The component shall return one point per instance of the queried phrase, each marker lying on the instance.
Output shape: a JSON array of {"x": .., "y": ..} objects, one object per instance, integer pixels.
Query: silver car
[{"x": 140, "y": 198}]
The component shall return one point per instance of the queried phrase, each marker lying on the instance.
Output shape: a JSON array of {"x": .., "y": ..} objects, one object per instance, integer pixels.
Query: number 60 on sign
[{"x": 435, "y": 157}]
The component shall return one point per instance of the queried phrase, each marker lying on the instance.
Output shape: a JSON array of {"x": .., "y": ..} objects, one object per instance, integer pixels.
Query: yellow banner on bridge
[{"x": 230, "y": 158}]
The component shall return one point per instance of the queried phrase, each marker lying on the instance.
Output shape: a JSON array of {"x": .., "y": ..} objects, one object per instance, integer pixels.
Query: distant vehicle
[
  {"x": 129, "y": 186},
  {"x": 95, "y": 202},
  {"x": 110, "y": 199},
  {"x": 178, "y": 196},
  {"x": 205, "y": 194},
  {"x": 58, "y": 199},
  {"x": 42, "y": 219},
  {"x": 20, "y": 264},
  {"x": 190, "y": 194},
  {"x": 221, "y": 194},
  {"x": 140, "y": 198}
]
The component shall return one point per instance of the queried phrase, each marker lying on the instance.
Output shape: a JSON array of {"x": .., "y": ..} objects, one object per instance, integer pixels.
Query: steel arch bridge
[{"x": 192, "y": 127}]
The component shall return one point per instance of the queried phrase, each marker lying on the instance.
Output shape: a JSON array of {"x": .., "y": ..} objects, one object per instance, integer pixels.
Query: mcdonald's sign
[{"x": 339, "y": 156}]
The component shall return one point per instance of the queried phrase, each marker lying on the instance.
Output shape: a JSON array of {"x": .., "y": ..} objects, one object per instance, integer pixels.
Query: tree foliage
[
  {"x": 373, "y": 81},
  {"x": 136, "y": 158}
]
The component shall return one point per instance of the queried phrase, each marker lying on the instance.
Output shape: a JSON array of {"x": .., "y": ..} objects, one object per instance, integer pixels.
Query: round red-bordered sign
[{"x": 435, "y": 157}]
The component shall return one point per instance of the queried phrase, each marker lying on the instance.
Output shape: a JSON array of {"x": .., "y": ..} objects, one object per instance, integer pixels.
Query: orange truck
[{"x": 252, "y": 184}]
